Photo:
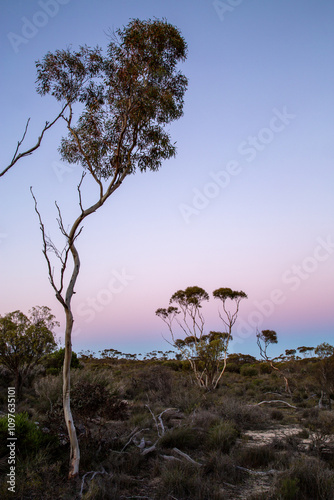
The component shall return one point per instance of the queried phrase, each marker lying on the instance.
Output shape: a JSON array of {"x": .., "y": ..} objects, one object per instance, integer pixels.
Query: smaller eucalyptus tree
[
  {"x": 264, "y": 339},
  {"x": 228, "y": 317},
  {"x": 205, "y": 352}
]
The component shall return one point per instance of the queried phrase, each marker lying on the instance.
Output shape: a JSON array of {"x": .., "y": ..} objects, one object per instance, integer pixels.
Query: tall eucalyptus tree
[{"x": 116, "y": 108}]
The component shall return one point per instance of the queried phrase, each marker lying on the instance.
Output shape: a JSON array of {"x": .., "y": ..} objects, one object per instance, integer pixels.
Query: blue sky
[{"x": 247, "y": 203}]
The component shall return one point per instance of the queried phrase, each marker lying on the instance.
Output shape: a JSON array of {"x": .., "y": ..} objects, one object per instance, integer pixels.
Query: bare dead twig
[
  {"x": 133, "y": 434},
  {"x": 170, "y": 458},
  {"x": 94, "y": 474},
  {"x": 259, "y": 472},
  {"x": 275, "y": 401},
  {"x": 145, "y": 451},
  {"x": 159, "y": 417},
  {"x": 187, "y": 457}
]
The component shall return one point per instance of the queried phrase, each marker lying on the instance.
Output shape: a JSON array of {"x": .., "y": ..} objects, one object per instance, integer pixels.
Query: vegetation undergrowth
[{"x": 147, "y": 430}]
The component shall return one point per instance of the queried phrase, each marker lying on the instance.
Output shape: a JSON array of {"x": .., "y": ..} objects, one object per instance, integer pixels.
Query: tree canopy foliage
[
  {"x": 128, "y": 95},
  {"x": 24, "y": 341}
]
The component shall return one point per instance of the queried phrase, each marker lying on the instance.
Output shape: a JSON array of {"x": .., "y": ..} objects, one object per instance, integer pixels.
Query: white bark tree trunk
[{"x": 75, "y": 451}]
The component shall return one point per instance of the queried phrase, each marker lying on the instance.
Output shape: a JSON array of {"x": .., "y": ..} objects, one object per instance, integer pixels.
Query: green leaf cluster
[
  {"x": 126, "y": 95},
  {"x": 25, "y": 340}
]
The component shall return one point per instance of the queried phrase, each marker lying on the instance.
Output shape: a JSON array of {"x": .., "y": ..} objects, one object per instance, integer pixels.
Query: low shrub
[
  {"x": 221, "y": 467},
  {"x": 265, "y": 368},
  {"x": 244, "y": 416},
  {"x": 154, "y": 381},
  {"x": 321, "y": 421},
  {"x": 222, "y": 436},
  {"x": 185, "y": 481},
  {"x": 254, "y": 457},
  {"x": 29, "y": 437},
  {"x": 307, "y": 478},
  {"x": 48, "y": 390},
  {"x": 184, "y": 438},
  {"x": 289, "y": 489},
  {"x": 204, "y": 419},
  {"x": 233, "y": 367},
  {"x": 54, "y": 361},
  {"x": 38, "y": 477},
  {"x": 257, "y": 381},
  {"x": 276, "y": 414},
  {"x": 140, "y": 417},
  {"x": 173, "y": 364},
  {"x": 187, "y": 397},
  {"x": 89, "y": 399},
  {"x": 248, "y": 371}
]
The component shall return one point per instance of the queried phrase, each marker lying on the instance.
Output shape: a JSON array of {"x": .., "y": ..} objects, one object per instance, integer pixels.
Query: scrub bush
[
  {"x": 222, "y": 436},
  {"x": 249, "y": 371},
  {"x": 30, "y": 438},
  {"x": 186, "y": 481},
  {"x": 184, "y": 438},
  {"x": 308, "y": 478}
]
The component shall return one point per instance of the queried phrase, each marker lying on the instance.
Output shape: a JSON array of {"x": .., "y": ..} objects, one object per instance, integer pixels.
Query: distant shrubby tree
[
  {"x": 236, "y": 360},
  {"x": 86, "y": 355},
  {"x": 110, "y": 354},
  {"x": 305, "y": 350},
  {"x": 54, "y": 361},
  {"x": 290, "y": 354},
  {"x": 206, "y": 353},
  {"x": 264, "y": 339},
  {"x": 114, "y": 354},
  {"x": 158, "y": 355},
  {"x": 24, "y": 341},
  {"x": 324, "y": 350},
  {"x": 241, "y": 359},
  {"x": 129, "y": 356}
]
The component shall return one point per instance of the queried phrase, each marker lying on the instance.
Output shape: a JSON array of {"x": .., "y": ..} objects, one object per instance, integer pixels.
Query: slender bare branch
[
  {"x": 187, "y": 457},
  {"x": 79, "y": 191},
  {"x": 17, "y": 156},
  {"x": 133, "y": 434},
  {"x": 46, "y": 245},
  {"x": 94, "y": 473}
]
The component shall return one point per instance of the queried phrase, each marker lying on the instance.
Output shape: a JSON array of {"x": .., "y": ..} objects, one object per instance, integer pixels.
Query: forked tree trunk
[{"x": 66, "y": 303}]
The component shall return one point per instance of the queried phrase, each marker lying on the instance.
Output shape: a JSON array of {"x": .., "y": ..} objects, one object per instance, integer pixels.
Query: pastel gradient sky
[{"x": 247, "y": 203}]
